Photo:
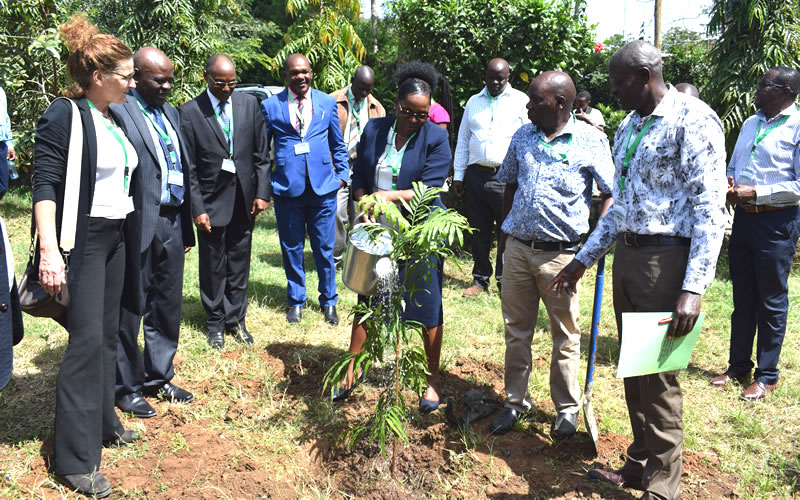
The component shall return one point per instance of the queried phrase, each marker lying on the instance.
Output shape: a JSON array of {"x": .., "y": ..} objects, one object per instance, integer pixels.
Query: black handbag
[{"x": 33, "y": 299}]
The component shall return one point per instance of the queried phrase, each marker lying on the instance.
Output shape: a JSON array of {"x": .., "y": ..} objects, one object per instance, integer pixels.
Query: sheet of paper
[{"x": 647, "y": 349}]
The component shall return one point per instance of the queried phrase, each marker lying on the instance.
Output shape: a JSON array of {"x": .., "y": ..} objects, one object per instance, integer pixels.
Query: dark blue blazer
[
  {"x": 327, "y": 162},
  {"x": 427, "y": 156}
]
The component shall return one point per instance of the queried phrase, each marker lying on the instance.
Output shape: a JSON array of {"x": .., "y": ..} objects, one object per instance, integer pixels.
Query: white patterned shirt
[
  {"x": 487, "y": 127},
  {"x": 675, "y": 185},
  {"x": 775, "y": 169}
]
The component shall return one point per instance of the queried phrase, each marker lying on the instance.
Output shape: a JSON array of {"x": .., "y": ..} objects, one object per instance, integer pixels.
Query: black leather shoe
[
  {"x": 566, "y": 425},
  {"x": 295, "y": 314},
  {"x": 330, "y": 315},
  {"x": 92, "y": 484},
  {"x": 241, "y": 334},
  {"x": 124, "y": 439},
  {"x": 504, "y": 421},
  {"x": 134, "y": 403},
  {"x": 171, "y": 393},
  {"x": 216, "y": 340}
]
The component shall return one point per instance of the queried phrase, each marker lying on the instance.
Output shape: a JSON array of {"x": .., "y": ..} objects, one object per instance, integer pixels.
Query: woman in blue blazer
[{"x": 422, "y": 151}]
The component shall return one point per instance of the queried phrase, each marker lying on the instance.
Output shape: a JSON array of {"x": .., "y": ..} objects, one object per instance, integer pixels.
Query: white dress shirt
[
  {"x": 775, "y": 168},
  {"x": 487, "y": 127}
]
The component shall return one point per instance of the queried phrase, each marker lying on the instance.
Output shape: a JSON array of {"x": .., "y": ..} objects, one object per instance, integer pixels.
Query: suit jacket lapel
[
  {"x": 239, "y": 126},
  {"x": 283, "y": 99},
  {"x": 140, "y": 122},
  {"x": 316, "y": 107},
  {"x": 204, "y": 103}
]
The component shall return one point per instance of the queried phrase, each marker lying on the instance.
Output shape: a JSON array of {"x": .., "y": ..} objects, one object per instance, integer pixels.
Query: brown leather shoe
[
  {"x": 758, "y": 390},
  {"x": 473, "y": 291},
  {"x": 615, "y": 478},
  {"x": 722, "y": 380}
]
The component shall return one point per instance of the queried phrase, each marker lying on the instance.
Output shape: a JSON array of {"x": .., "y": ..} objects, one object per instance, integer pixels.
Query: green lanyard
[
  {"x": 112, "y": 127},
  {"x": 173, "y": 155},
  {"x": 394, "y": 161},
  {"x": 759, "y": 138},
  {"x": 352, "y": 101},
  {"x": 492, "y": 103},
  {"x": 299, "y": 116},
  {"x": 227, "y": 130},
  {"x": 630, "y": 149},
  {"x": 562, "y": 155}
]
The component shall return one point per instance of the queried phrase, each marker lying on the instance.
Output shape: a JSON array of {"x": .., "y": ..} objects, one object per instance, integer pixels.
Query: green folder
[{"x": 647, "y": 349}]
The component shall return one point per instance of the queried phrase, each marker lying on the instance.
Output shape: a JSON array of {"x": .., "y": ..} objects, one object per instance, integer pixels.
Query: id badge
[
  {"x": 175, "y": 178},
  {"x": 619, "y": 211},
  {"x": 228, "y": 165},
  {"x": 302, "y": 148}
]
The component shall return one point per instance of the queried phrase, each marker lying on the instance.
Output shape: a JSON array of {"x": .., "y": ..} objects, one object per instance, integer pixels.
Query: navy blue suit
[
  {"x": 426, "y": 159},
  {"x": 304, "y": 188}
]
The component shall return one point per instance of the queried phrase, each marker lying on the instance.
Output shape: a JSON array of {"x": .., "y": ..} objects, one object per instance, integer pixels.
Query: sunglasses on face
[
  {"x": 410, "y": 114},
  {"x": 222, "y": 85},
  {"x": 766, "y": 84}
]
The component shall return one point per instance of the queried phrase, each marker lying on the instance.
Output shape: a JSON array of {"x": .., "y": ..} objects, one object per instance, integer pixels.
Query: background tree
[
  {"x": 753, "y": 36},
  {"x": 686, "y": 57},
  {"x": 324, "y": 32}
]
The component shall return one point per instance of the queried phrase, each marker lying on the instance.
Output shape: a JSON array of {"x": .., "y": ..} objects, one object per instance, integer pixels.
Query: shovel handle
[{"x": 596, "y": 307}]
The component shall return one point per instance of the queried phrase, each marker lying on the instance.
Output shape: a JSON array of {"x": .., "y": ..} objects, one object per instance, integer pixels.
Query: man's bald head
[
  {"x": 638, "y": 55},
  {"x": 294, "y": 60},
  {"x": 220, "y": 70},
  {"x": 362, "y": 83},
  {"x": 496, "y": 78},
  {"x": 551, "y": 97},
  {"x": 298, "y": 73},
  {"x": 153, "y": 74}
]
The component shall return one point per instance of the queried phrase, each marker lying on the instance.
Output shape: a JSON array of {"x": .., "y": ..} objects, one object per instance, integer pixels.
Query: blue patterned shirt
[
  {"x": 554, "y": 180},
  {"x": 5, "y": 122}
]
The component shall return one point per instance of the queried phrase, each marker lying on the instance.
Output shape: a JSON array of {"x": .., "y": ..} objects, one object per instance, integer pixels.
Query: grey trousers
[
  {"x": 649, "y": 279},
  {"x": 525, "y": 278},
  {"x": 345, "y": 217}
]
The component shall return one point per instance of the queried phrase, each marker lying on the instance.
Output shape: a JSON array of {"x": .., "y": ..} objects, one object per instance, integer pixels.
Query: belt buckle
[{"x": 632, "y": 241}]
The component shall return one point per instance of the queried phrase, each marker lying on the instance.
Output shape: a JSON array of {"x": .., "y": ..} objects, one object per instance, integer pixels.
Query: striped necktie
[{"x": 224, "y": 117}]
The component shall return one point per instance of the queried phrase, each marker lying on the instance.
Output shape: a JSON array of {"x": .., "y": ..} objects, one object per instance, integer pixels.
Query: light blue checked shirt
[
  {"x": 775, "y": 170},
  {"x": 553, "y": 195},
  {"x": 5, "y": 121}
]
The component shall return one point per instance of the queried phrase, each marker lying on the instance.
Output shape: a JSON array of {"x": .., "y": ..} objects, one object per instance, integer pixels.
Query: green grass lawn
[{"x": 756, "y": 441}]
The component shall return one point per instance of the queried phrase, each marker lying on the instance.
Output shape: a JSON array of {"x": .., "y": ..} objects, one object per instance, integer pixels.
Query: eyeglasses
[
  {"x": 765, "y": 84},
  {"x": 222, "y": 85},
  {"x": 404, "y": 112},
  {"x": 125, "y": 78}
]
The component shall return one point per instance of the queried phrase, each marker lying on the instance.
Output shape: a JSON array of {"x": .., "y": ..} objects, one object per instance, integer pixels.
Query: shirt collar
[
  {"x": 787, "y": 111},
  {"x": 506, "y": 91},
  {"x": 214, "y": 101},
  {"x": 667, "y": 103},
  {"x": 139, "y": 98},
  {"x": 568, "y": 129},
  {"x": 294, "y": 96}
]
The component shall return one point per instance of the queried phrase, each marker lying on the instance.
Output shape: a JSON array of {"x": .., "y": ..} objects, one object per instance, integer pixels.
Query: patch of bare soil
[{"x": 179, "y": 457}]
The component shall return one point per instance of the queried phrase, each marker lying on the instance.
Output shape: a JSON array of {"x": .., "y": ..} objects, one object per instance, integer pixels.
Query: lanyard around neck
[
  {"x": 228, "y": 131},
  {"x": 173, "y": 155},
  {"x": 760, "y": 137},
  {"x": 549, "y": 145},
  {"x": 630, "y": 149},
  {"x": 112, "y": 127},
  {"x": 352, "y": 98},
  {"x": 299, "y": 116},
  {"x": 395, "y": 160}
]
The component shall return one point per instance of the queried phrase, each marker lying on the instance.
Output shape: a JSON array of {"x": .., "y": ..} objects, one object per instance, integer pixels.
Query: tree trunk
[
  {"x": 657, "y": 27},
  {"x": 374, "y": 14}
]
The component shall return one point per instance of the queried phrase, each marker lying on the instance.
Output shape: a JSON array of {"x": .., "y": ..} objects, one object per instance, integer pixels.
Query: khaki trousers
[
  {"x": 649, "y": 279},
  {"x": 526, "y": 274}
]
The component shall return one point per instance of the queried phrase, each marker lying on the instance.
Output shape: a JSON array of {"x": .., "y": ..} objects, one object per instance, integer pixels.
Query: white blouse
[{"x": 112, "y": 198}]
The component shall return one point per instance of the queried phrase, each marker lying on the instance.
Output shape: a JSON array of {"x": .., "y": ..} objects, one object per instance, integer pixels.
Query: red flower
[{"x": 599, "y": 46}]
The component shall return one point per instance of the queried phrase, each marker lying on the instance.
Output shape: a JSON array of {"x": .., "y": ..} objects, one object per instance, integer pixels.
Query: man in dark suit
[
  {"x": 158, "y": 232},
  {"x": 229, "y": 186},
  {"x": 311, "y": 164}
]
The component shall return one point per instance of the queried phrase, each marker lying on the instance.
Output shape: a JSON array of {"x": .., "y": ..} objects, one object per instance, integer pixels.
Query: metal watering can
[{"x": 361, "y": 256}]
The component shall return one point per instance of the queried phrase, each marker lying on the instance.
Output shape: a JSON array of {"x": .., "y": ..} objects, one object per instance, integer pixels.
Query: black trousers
[
  {"x": 761, "y": 251},
  {"x": 85, "y": 413},
  {"x": 224, "y": 258},
  {"x": 162, "y": 294},
  {"x": 484, "y": 200}
]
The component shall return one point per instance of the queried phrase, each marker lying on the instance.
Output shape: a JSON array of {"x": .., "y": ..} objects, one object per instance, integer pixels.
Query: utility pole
[{"x": 657, "y": 34}]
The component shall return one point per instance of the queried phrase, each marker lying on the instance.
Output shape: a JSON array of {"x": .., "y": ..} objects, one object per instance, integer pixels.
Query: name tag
[
  {"x": 175, "y": 178},
  {"x": 302, "y": 148},
  {"x": 619, "y": 211},
  {"x": 228, "y": 165}
]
